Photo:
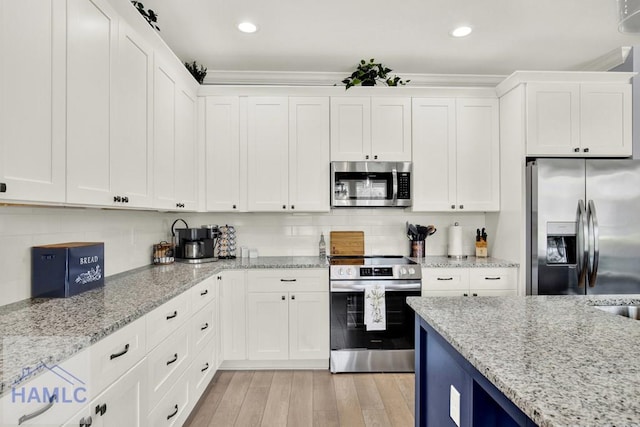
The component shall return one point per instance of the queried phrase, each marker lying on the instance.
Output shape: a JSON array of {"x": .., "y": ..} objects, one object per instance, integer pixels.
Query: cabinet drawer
[
  {"x": 116, "y": 354},
  {"x": 492, "y": 278},
  {"x": 288, "y": 280},
  {"x": 202, "y": 294},
  {"x": 166, "y": 363},
  {"x": 201, "y": 371},
  {"x": 173, "y": 409},
  {"x": 445, "y": 279},
  {"x": 203, "y": 326},
  {"x": 165, "y": 319}
]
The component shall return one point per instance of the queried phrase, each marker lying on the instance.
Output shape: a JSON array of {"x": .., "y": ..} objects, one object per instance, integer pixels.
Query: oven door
[{"x": 348, "y": 330}]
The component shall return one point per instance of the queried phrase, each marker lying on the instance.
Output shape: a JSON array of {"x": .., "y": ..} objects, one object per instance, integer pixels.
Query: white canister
[{"x": 455, "y": 242}]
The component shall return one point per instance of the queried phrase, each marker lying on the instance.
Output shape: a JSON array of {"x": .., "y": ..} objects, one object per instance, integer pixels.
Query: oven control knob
[
  {"x": 412, "y": 270},
  {"x": 349, "y": 272},
  {"x": 403, "y": 271},
  {"x": 341, "y": 272}
]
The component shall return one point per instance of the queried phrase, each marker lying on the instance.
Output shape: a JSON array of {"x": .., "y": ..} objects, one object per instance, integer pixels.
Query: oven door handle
[{"x": 358, "y": 286}]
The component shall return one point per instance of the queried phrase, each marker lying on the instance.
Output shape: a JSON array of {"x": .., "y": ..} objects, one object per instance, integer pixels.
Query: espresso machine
[{"x": 194, "y": 245}]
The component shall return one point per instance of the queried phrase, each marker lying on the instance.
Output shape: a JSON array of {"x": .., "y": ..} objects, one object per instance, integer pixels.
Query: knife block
[{"x": 481, "y": 249}]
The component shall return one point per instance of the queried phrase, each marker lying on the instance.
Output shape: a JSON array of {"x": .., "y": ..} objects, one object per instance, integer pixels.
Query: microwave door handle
[{"x": 394, "y": 174}]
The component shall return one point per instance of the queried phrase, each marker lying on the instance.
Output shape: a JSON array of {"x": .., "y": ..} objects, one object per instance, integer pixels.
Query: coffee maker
[{"x": 194, "y": 245}]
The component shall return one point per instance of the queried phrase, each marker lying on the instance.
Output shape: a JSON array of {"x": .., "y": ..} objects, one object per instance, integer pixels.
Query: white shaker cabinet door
[
  {"x": 350, "y": 128},
  {"x": 186, "y": 172},
  {"x": 267, "y": 150},
  {"x": 32, "y": 100},
  {"x": 477, "y": 154},
  {"x": 268, "y": 325},
  {"x": 309, "y": 154},
  {"x": 309, "y": 325},
  {"x": 233, "y": 312},
  {"x": 434, "y": 154},
  {"x": 132, "y": 145},
  {"x": 553, "y": 119},
  {"x": 391, "y": 129},
  {"x": 222, "y": 136},
  {"x": 164, "y": 137},
  {"x": 91, "y": 46},
  {"x": 605, "y": 119}
]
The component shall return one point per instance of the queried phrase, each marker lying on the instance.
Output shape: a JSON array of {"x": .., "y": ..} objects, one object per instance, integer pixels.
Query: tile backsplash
[{"x": 129, "y": 235}]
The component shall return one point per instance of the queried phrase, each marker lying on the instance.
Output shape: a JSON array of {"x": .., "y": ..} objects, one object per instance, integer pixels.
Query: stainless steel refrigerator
[{"x": 583, "y": 226}]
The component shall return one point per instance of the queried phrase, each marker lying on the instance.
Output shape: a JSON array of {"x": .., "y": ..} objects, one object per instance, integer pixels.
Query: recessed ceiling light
[
  {"x": 461, "y": 31},
  {"x": 247, "y": 27}
]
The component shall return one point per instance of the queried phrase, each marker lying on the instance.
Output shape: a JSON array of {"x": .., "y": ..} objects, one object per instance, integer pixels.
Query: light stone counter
[
  {"x": 560, "y": 360},
  {"x": 49, "y": 331},
  {"x": 469, "y": 262}
]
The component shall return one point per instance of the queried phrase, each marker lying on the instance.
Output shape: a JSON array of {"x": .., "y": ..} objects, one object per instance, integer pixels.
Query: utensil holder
[{"x": 417, "y": 248}]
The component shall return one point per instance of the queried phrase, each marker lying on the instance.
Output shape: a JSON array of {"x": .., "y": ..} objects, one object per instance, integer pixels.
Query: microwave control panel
[{"x": 404, "y": 186}]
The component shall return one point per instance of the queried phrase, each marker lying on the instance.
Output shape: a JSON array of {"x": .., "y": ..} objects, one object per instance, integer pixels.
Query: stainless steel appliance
[
  {"x": 353, "y": 347},
  {"x": 194, "y": 245},
  {"x": 583, "y": 226},
  {"x": 370, "y": 184}
]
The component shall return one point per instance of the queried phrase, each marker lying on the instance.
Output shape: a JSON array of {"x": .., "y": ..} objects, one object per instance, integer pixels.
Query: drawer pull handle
[
  {"x": 206, "y": 366},
  {"x": 122, "y": 353},
  {"x": 86, "y": 422},
  {"x": 101, "y": 409},
  {"x": 492, "y": 278},
  {"x": 205, "y": 326},
  {"x": 444, "y": 278},
  {"x": 175, "y": 411},
  {"x": 38, "y": 412},
  {"x": 203, "y": 293},
  {"x": 475, "y": 295},
  {"x": 465, "y": 294},
  {"x": 287, "y": 280},
  {"x": 175, "y": 359},
  {"x": 171, "y": 316}
]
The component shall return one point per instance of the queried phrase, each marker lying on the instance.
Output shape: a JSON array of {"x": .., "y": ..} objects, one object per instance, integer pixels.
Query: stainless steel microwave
[{"x": 370, "y": 184}]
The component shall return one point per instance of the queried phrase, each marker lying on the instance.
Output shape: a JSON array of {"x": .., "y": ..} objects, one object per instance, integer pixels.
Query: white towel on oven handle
[{"x": 375, "y": 318}]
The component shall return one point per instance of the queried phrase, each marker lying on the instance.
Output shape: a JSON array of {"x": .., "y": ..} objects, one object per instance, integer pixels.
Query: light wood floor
[{"x": 305, "y": 398}]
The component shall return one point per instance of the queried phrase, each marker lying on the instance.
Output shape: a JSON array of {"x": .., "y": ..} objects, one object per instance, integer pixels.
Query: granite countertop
[
  {"x": 470, "y": 262},
  {"x": 560, "y": 360},
  {"x": 49, "y": 331}
]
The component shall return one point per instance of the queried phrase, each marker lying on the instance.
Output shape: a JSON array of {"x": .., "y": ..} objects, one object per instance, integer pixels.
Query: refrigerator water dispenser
[{"x": 561, "y": 243}]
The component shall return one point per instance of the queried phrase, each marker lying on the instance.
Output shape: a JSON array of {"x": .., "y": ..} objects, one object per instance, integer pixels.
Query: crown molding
[
  {"x": 309, "y": 78},
  {"x": 607, "y": 61}
]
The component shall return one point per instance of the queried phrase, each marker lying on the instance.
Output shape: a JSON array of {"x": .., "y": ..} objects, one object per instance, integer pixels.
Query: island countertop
[{"x": 557, "y": 358}]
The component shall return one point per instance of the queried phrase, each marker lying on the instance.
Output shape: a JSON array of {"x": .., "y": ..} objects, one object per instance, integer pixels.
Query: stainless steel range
[{"x": 356, "y": 346}]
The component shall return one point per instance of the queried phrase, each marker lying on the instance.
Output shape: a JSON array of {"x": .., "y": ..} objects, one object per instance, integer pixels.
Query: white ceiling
[{"x": 409, "y": 36}]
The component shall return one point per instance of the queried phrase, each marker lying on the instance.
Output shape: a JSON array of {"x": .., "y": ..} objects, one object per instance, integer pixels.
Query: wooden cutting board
[{"x": 347, "y": 242}]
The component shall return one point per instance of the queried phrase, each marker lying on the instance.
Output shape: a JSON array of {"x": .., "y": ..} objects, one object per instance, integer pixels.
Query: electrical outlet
[{"x": 454, "y": 405}]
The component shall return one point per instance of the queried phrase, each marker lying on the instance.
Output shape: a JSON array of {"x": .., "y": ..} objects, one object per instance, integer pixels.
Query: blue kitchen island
[{"x": 525, "y": 361}]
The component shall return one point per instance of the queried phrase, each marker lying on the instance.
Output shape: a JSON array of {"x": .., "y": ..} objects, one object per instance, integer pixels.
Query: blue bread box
[{"x": 66, "y": 269}]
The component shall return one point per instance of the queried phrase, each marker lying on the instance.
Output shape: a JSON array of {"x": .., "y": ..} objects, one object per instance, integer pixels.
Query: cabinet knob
[
  {"x": 283, "y": 298},
  {"x": 461, "y": 206},
  {"x": 86, "y": 422},
  {"x": 475, "y": 295},
  {"x": 586, "y": 150},
  {"x": 366, "y": 157},
  {"x": 101, "y": 409},
  {"x": 125, "y": 199},
  {"x": 3, "y": 187},
  {"x": 293, "y": 297},
  {"x": 375, "y": 157},
  {"x": 576, "y": 150},
  {"x": 284, "y": 206},
  {"x": 465, "y": 294},
  {"x": 453, "y": 206},
  {"x": 233, "y": 207},
  {"x": 293, "y": 207}
]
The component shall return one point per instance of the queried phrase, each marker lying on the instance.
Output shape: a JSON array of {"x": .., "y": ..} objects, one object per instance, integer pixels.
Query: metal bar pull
[
  {"x": 122, "y": 353},
  {"x": 594, "y": 237},
  {"x": 288, "y": 280},
  {"x": 444, "y": 278},
  {"x": 39, "y": 412},
  {"x": 492, "y": 278},
  {"x": 172, "y": 315},
  {"x": 173, "y": 414},
  {"x": 582, "y": 248},
  {"x": 175, "y": 359}
]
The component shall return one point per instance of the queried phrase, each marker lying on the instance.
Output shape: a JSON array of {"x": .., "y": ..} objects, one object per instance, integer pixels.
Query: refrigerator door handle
[
  {"x": 594, "y": 235},
  {"x": 582, "y": 247}
]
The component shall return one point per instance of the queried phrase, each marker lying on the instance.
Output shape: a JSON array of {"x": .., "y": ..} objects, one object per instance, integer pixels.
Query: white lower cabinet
[
  {"x": 469, "y": 281},
  {"x": 288, "y": 319},
  {"x": 201, "y": 372},
  {"x": 173, "y": 409},
  {"x": 233, "y": 312},
  {"x": 122, "y": 404}
]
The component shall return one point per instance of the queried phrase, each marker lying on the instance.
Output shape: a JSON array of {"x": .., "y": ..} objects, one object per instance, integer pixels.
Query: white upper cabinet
[
  {"x": 91, "y": 45},
  {"x": 175, "y": 143},
  {"x": 309, "y": 154},
  {"x": 222, "y": 136},
  {"x": 132, "y": 145},
  {"x": 32, "y": 101},
  {"x": 455, "y": 154},
  {"x": 578, "y": 119},
  {"x": 370, "y": 128},
  {"x": 268, "y": 148}
]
